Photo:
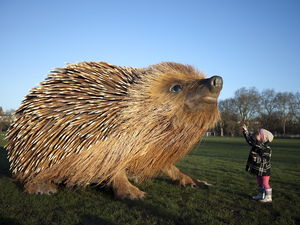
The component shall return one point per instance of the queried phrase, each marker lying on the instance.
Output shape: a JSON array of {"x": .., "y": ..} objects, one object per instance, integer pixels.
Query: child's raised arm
[{"x": 247, "y": 136}]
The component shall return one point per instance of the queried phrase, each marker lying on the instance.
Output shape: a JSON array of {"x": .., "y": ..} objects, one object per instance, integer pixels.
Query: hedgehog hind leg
[
  {"x": 183, "y": 180},
  {"x": 123, "y": 189},
  {"x": 40, "y": 188}
]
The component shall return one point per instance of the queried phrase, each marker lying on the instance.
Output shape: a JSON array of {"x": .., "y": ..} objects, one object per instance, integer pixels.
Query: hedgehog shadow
[
  {"x": 155, "y": 208},
  {"x": 4, "y": 220},
  {"x": 4, "y": 164},
  {"x": 88, "y": 219}
]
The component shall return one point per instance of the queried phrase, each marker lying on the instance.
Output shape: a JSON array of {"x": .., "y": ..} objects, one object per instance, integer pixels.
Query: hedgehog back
[{"x": 71, "y": 110}]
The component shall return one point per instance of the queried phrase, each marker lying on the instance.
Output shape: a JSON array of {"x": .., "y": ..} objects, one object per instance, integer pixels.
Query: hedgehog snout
[
  {"x": 206, "y": 92},
  {"x": 215, "y": 84}
]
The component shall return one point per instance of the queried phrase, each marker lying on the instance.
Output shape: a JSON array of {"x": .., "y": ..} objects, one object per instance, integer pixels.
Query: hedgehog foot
[
  {"x": 123, "y": 189},
  {"x": 202, "y": 183},
  {"x": 40, "y": 188},
  {"x": 187, "y": 181},
  {"x": 183, "y": 179}
]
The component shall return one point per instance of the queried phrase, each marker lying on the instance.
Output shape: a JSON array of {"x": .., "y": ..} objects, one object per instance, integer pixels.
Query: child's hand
[
  {"x": 244, "y": 127},
  {"x": 254, "y": 159}
]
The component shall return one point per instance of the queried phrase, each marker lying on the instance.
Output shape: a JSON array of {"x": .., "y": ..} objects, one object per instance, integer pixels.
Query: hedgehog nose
[{"x": 215, "y": 84}]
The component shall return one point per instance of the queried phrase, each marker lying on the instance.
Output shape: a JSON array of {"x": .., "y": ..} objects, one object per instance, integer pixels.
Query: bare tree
[
  {"x": 284, "y": 101},
  {"x": 228, "y": 116},
  {"x": 295, "y": 106},
  {"x": 246, "y": 102},
  {"x": 6, "y": 119},
  {"x": 268, "y": 107}
]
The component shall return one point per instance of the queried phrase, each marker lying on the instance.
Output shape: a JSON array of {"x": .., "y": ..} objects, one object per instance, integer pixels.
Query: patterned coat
[{"x": 262, "y": 152}]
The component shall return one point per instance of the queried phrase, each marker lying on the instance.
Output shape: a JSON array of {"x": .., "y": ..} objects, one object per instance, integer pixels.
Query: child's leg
[
  {"x": 265, "y": 182},
  {"x": 259, "y": 181},
  {"x": 268, "y": 190},
  {"x": 261, "y": 190}
]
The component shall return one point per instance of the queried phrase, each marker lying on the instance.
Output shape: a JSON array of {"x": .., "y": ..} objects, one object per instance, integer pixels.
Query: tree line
[{"x": 278, "y": 112}]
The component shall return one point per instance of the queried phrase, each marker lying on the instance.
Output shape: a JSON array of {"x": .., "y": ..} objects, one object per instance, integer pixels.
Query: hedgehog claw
[
  {"x": 129, "y": 192},
  {"x": 41, "y": 188},
  {"x": 123, "y": 189},
  {"x": 183, "y": 179},
  {"x": 202, "y": 183}
]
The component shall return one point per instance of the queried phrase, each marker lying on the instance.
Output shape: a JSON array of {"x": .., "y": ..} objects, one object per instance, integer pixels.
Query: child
[{"x": 259, "y": 161}]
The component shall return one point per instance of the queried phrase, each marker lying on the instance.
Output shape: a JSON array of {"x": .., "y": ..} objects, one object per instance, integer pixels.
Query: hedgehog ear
[{"x": 176, "y": 88}]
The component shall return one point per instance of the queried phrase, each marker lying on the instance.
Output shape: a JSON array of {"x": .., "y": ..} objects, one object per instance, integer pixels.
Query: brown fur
[{"x": 91, "y": 121}]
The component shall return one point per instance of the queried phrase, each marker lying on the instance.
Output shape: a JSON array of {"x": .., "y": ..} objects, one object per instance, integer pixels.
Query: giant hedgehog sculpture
[{"x": 93, "y": 122}]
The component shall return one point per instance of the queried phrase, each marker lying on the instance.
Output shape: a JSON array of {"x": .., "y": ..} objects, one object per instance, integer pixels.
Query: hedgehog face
[
  {"x": 175, "y": 93},
  {"x": 194, "y": 93},
  {"x": 204, "y": 93}
]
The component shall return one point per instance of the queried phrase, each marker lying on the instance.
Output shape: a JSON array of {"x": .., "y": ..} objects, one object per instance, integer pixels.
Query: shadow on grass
[
  {"x": 4, "y": 163},
  {"x": 155, "y": 210},
  {"x": 91, "y": 219},
  {"x": 8, "y": 221}
]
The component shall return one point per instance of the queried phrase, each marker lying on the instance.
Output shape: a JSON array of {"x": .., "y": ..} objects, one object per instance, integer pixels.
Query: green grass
[{"x": 220, "y": 161}]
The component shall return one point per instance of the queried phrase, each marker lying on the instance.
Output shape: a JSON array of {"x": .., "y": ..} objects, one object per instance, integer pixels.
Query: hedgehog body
[{"x": 91, "y": 121}]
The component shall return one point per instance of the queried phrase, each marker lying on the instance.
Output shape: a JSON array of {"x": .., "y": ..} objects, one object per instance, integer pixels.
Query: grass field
[{"x": 220, "y": 161}]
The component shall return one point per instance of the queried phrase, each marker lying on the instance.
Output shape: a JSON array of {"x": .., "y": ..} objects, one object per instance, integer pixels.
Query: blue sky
[{"x": 248, "y": 43}]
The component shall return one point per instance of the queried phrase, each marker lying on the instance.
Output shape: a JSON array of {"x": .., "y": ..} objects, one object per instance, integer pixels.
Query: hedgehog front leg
[
  {"x": 123, "y": 189},
  {"x": 183, "y": 179}
]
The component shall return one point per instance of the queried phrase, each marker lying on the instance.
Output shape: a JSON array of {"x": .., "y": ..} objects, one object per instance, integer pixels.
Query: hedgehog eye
[{"x": 176, "y": 88}]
